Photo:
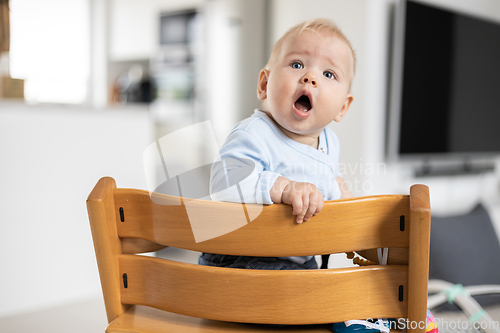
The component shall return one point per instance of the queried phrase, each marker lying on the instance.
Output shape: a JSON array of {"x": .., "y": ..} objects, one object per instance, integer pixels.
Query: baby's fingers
[
  {"x": 297, "y": 205},
  {"x": 303, "y": 211},
  {"x": 313, "y": 205},
  {"x": 321, "y": 202}
]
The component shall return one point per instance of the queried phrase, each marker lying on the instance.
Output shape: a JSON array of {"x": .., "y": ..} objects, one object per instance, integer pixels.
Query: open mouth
[{"x": 303, "y": 103}]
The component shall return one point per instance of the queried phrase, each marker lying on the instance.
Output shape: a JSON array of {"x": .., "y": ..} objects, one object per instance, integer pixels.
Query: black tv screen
[{"x": 449, "y": 93}]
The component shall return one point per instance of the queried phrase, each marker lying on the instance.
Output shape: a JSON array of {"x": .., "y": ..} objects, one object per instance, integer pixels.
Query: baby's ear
[
  {"x": 345, "y": 107},
  {"x": 262, "y": 85}
]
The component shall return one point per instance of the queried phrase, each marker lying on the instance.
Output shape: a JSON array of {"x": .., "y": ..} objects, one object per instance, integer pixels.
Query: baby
[{"x": 284, "y": 152}]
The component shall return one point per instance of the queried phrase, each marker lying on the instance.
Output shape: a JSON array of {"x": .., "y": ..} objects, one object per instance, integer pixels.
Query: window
[{"x": 50, "y": 49}]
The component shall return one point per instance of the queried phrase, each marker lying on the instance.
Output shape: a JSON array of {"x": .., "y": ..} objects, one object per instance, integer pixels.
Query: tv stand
[{"x": 456, "y": 168}]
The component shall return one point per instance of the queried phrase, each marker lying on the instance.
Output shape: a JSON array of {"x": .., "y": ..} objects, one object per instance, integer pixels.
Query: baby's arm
[
  {"x": 305, "y": 198},
  {"x": 241, "y": 173},
  {"x": 344, "y": 191}
]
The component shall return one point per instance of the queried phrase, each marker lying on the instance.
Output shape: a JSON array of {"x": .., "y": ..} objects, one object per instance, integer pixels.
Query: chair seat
[{"x": 143, "y": 319}]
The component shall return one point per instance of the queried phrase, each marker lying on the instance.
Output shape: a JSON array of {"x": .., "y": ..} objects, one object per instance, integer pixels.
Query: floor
[
  {"x": 82, "y": 317},
  {"x": 457, "y": 322},
  {"x": 89, "y": 317}
]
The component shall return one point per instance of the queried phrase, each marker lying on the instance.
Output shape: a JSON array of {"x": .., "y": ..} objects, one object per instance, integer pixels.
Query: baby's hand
[{"x": 305, "y": 199}]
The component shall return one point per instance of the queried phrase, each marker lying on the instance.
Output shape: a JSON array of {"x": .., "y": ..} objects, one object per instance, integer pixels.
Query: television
[
  {"x": 177, "y": 27},
  {"x": 445, "y": 86}
]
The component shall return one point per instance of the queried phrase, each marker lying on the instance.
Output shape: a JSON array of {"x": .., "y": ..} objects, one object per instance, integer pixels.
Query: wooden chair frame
[{"x": 147, "y": 291}]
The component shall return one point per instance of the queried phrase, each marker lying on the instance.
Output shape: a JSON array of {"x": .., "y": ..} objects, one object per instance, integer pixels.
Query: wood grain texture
[
  {"x": 107, "y": 245},
  {"x": 137, "y": 245},
  {"x": 343, "y": 225},
  {"x": 418, "y": 271},
  {"x": 275, "y": 297},
  {"x": 260, "y": 296},
  {"x": 143, "y": 319}
]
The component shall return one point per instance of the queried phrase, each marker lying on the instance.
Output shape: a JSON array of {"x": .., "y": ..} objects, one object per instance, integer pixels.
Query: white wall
[
  {"x": 50, "y": 159},
  {"x": 480, "y": 8}
]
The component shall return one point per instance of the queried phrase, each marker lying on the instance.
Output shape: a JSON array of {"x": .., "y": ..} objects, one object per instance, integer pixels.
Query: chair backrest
[{"x": 125, "y": 222}]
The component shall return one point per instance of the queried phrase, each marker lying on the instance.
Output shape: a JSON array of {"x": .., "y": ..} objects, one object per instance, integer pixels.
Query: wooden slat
[
  {"x": 259, "y": 296},
  {"x": 107, "y": 245},
  {"x": 143, "y": 319},
  {"x": 344, "y": 225},
  {"x": 137, "y": 245},
  {"x": 418, "y": 271}
]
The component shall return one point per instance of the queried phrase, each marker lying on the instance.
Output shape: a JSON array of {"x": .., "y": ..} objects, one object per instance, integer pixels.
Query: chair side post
[
  {"x": 107, "y": 244},
  {"x": 419, "y": 247}
]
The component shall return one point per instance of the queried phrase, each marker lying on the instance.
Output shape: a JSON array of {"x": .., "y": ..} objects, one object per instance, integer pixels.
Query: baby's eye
[
  {"x": 296, "y": 65},
  {"x": 329, "y": 75}
]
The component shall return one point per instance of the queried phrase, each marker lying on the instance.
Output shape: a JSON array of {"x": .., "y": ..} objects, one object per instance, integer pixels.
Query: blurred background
[{"x": 87, "y": 85}]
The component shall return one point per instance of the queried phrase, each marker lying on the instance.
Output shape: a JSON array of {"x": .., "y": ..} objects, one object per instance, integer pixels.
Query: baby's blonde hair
[{"x": 319, "y": 25}]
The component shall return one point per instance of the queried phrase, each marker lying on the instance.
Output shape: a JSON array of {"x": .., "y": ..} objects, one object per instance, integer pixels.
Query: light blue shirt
[{"x": 257, "y": 152}]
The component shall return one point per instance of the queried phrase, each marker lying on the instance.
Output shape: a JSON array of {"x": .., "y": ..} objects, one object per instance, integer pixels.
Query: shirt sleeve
[
  {"x": 241, "y": 171},
  {"x": 334, "y": 150}
]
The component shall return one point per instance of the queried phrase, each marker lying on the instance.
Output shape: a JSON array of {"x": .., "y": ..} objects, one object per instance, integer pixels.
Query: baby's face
[{"x": 307, "y": 86}]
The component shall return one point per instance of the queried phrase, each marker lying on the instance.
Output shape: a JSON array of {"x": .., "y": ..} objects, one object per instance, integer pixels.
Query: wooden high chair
[{"x": 147, "y": 294}]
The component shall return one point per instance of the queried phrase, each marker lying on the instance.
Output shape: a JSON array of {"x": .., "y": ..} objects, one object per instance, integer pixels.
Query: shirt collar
[{"x": 322, "y": 146}]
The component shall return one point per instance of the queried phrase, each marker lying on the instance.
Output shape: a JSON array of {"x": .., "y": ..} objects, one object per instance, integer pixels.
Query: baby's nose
[{"x": 310, "y": 78}]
